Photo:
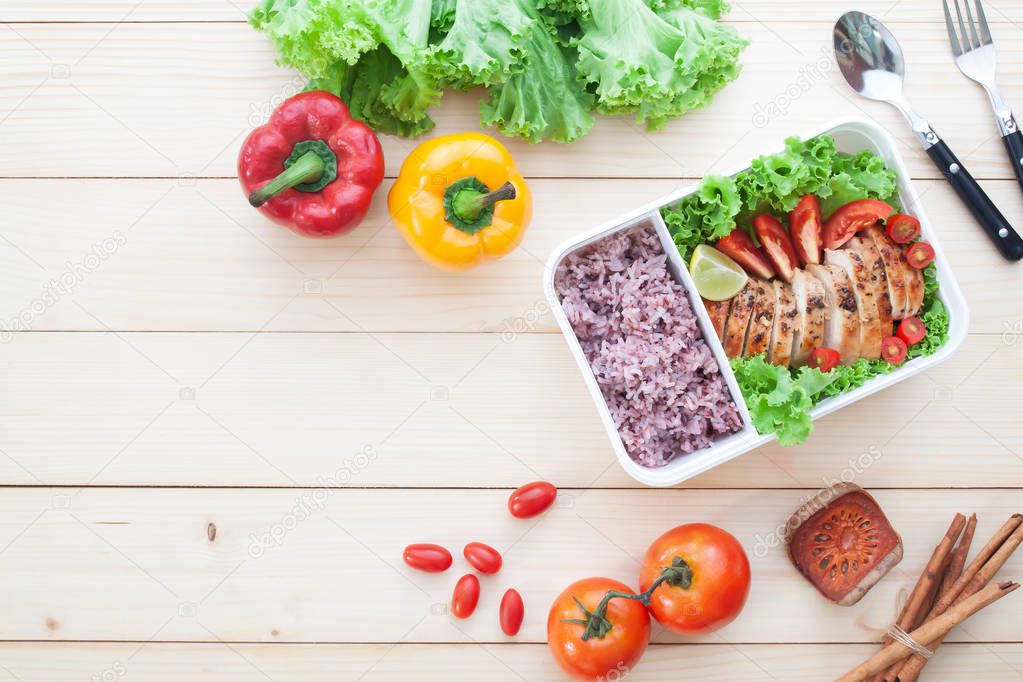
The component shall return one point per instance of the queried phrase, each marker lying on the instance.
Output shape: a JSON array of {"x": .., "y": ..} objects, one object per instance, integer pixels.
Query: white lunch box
[{"x": 850, "y": 135}]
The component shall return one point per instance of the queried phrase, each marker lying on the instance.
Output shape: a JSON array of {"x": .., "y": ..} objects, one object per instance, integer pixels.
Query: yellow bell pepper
[{"x": 459, "y": 201}]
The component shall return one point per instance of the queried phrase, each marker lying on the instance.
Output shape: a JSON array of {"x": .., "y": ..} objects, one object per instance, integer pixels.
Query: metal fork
[{"x": 976, "y": 58}]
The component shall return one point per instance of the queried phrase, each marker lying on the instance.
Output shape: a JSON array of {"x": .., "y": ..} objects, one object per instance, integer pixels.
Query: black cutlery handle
[
  {"x": 983, "y": 209},
  {"x": 1014, "y": 145}
]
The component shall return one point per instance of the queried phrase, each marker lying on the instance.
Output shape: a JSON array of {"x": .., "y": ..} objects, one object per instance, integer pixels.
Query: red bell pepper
[{"x": 312, "y": 167}]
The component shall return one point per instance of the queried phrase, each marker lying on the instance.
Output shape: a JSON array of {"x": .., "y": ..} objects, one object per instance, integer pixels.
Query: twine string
[{"x": 906, "y": 640}]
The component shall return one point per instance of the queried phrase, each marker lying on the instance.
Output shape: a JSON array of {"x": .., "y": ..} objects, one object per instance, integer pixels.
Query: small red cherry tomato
[
  {"x": 532, "y": 499},
  {"x": 511, "y": 613},
  {"x": 483, "y": 558},
  {"x": 911, "y": 330},
  {"x": 739, "y": 246},
  {"x": 902, "y": 228},
  {"x": 893, "y": 349},
  {"x": 825, "y": 359},
  {"x": 851, "y": 218},
  {"x": 427, "y": 557},
  {"x": 466, "y": 596},
  {"x": 805, "y": 227},
  {"x": 777, "y": 245},
  {"x": 920, "y": 255}
]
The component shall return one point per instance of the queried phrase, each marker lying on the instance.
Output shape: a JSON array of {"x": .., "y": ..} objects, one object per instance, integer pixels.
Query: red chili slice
[
  {"x": 532, "y": 499},
  {"x": 483, "y": 558},
  {"x": 511, "y": 612},
  {"x": 777, "y": 245},
  {"x": 805, "y": 226},
  {"x": 427, "y": 557},
  {"x": 825, "y": 359},
  {"x": 911, "y": 330},
  {"x": 920, "y": 255},
  {"x": 739, "y": 247},
  {"x": 902, "y": 228},
  {"x": 894, "y": 349},
  {"x": 466, "y": 596}
]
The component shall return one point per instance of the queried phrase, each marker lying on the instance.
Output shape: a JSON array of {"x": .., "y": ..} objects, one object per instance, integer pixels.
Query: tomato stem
[{"x": 596, "y": 623}]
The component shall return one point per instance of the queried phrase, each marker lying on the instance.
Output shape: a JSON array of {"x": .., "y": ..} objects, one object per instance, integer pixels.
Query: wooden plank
[
  {"x": 160, "y": 662},
  {"x": 438, "y": 410},
  {"x": 120, "y": 82},
  {"x": 194, "y": 256},
  {"x": 320, "y": 566},
  {"x": 999, "y": 11}
]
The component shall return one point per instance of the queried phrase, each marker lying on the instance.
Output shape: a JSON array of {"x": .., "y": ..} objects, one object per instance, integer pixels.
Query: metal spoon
[{"x": 871, "y": 61}]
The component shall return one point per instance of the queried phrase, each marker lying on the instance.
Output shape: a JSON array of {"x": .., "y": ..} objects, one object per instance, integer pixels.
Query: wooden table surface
[{"x": 216, "y": 437}]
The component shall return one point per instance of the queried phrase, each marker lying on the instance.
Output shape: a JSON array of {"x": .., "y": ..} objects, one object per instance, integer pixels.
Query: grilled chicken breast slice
[
  {"x": 809, "y": 294},
  {"x": 878, "y": 278},
  {"x": 842, "y": 314},
  {"x": 758, "y": 336},
  {"x": 914, "y": 286},
  {"x": 784, "y": 331},
  {"x": 859, "y": 276},
  {"x": 738, "y": 321},
  {"x": 718, "y": 312},
  {"x": 894, "y": 268}
]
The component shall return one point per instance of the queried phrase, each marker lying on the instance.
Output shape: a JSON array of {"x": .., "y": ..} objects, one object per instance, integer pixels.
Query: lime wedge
[{"x": 717, "y": 277}]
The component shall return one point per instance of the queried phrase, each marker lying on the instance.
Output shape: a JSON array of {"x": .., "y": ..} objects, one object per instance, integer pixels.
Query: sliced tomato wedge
[
  {"x": 805, "y": 225},
  {"x": 911, "y": 330},
  {"x": 894, "y": 349},
  {"x": 920, "y": 255},
  {"x": 739, "y": 247},
  {"x": 851, "y": 218},
  {"x": 902, "y": 228},
  {"x": 777, "y": 245},
  {"x": 825, "y": 359}
]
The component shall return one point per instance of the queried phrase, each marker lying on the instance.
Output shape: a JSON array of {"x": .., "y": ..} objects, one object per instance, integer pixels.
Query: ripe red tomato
[
  {"x": 739, "y": 247},
  {"x": 777, "y": 245},
  {"x": 911, "y": 330},
  {"x": 902, "y": 228},
  {"x": 719, "y": 584},
  {"x": 851, "y": 218},
  {"x": 893, "y": 349},
  {"x": 483, "y": 558},
  {"x": 427, "y": 557},
  {"x": 619, "y": 649},
  {"x": 511, "y": 612},
  {"x": 920, "y": 255},
  {"x": 466, "y": 596},
  {"x": 825, "y": 359},
  {"x": 532, "y": 499},
  {"x": 805, "y": 226}
]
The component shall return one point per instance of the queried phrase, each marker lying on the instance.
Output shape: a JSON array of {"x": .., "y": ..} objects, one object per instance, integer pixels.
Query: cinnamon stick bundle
[
  {"x": 931, "y": 630},
  {"x": 981, "y": 570}
]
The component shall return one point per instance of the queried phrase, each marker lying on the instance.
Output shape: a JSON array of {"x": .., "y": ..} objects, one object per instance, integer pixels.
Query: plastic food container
[{"x": 850, "y": 135}]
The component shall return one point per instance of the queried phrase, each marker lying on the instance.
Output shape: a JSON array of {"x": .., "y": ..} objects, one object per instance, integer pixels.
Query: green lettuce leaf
[
  {"x": 543, "y": 100},
  {"x": 706, "y": 217},
  {"x": 485, "y": 43}
]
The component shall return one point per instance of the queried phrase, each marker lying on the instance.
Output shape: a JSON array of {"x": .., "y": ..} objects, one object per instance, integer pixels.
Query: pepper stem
[
  {"x": 469, "y": 204},
  {"x": 596, "y": 622},
  {"x": 307, "y": 168}
]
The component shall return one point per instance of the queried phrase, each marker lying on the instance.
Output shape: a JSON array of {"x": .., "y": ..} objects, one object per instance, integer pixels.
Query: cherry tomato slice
[
  {"x": 920, "y": 255},
  {"x": 532, "y": 499},
  {"x": 777, "y": 245},
  {"x": 511, "y": 612},
  {"x": 851, "y": 218},
  {"x": 893, "y": 349},
  {"x": 740, "y": 247},
  {"x": 427, "y": 557},
  {"x": 805, "y": 225},
  {"x": 902, "y": 228},
  {"x": 825, "y": 359},
  {"x": 911, "y": 330},
  {"x": 466, "y": 596},
  {"x": 483, "y": 558}
]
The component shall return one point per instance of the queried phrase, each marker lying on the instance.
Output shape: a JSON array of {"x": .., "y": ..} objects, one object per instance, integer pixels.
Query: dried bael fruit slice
[{"x": 842, "y": 542}]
